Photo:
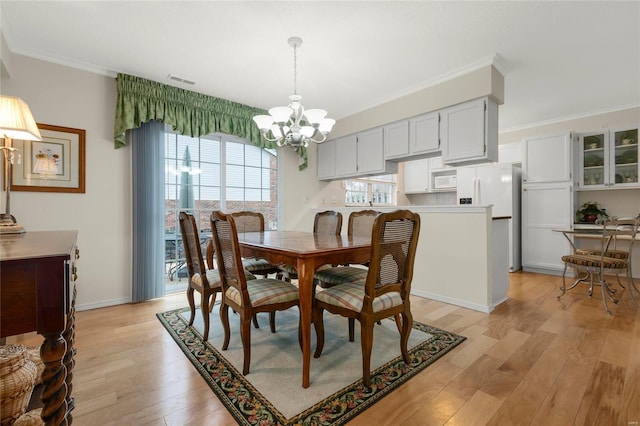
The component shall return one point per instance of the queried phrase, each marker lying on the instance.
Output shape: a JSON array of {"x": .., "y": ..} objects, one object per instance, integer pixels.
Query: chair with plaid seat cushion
[
  {"x": 360, "y": 225},
  {"x": 597, "y": 263},
  {"x": 245, "y": 297},
  {"x": 248, "y": 221},
  {"x": 385, "y": 293},
  {"x": 204, "y": 281},
  {"x": 327, "y": 222}
]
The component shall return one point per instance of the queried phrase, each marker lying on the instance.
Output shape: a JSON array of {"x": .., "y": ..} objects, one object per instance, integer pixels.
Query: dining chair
[
  {"x": 386, "y": 290},
  {"x": 606, "y": 261},
  {"x": 327, "y": 222},
  {"x": 204, "y": 281},
  {"x": 247, "y": 221},
  {"x": 245, "y": 297},
  {"x": 360, "y": 225}
]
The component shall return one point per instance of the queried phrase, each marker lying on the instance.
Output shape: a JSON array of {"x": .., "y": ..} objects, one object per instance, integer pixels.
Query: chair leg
[
  {"x": 619, "y": 283},
  {"x": 352, "y": 325},
  {"x": 224, "y": 319},
  {"x": 192, "y": 305},
  {"x": 255, "y": 321},
  {"x": 564, "y": 282},
  {"x": 399, "y": 322},
  {"x": 213, "y": 301},
  {"x": 407, "y": 324},
  {"x": 319, "y": 327},
  {"x": 204, "y": 307},
  {"x": 366, "y": 342},
  {"x": 245, "y": 335},
  {"x": 603, "y": 284},
  {"x": 272, "y": 321}
]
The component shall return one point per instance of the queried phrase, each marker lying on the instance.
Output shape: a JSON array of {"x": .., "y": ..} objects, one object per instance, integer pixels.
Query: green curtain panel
[{"x": 189, "y": 113}]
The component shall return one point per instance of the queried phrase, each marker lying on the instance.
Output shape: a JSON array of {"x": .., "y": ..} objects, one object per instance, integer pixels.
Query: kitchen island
[{"x": 462, "y": 255}]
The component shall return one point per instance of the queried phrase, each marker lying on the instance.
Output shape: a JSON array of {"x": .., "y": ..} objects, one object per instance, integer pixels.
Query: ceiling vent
[{"x": 180, "y": 79}]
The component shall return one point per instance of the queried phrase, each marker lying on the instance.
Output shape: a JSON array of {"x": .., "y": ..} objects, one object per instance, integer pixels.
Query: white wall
[{"x": 68, "y": 97}]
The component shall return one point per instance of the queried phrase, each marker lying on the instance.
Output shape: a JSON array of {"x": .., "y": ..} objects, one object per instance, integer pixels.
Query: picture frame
[{"x": 55, "y": 164}]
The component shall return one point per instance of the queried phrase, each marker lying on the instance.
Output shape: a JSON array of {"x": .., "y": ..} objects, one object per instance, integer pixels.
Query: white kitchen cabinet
[
  {"x": 545, "y": 208},
  {"x": 510, "y": 153},
  {"x": 416, "y": 176},
  {"x": 371, "y": 153},
  {"x": 469, "y": 132},
  {"x": 424, "y": 134},
  {"x": 327, "y": 160},
  {"x": 608, "y": 159},
  {"x": 396, "y": 140},
  {"x": 547, "y": 159},
  {"x": 346, "y": 156},
  {"x": 361, "y": 154},
  {"x": 418, "y": 137}
]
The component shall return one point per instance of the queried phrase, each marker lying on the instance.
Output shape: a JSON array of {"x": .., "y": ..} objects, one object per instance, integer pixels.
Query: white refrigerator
[{"x": 498, "y": 184}]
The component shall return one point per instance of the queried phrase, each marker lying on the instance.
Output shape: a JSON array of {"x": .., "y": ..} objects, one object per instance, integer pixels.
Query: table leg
[
  {"x": 305, "y": 284},
  {"x": 54, "y": 392}
]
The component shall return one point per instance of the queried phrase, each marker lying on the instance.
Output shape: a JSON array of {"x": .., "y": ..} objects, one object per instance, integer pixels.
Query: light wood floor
[{"x": 533, "y": 361}]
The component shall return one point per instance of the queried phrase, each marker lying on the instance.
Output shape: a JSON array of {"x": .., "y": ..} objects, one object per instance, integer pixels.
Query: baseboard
[
  {"x": 88, "y": 306},
  {"x": 546, "y": 271},
  {"x": 452, "y": 301}
]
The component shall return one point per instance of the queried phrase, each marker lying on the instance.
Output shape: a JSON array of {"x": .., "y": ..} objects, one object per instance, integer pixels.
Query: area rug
[{"x": 272, "y": 392}]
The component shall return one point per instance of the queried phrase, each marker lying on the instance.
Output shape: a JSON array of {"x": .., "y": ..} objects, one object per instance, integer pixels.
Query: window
[
  {"x": 372, "y": 191},
  {"x": 214, "y": 173}
]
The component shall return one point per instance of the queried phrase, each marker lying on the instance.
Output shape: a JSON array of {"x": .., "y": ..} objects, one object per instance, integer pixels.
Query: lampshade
[
  {"x": 16, "y": 120},
  {"x": 315, "y": 116}
]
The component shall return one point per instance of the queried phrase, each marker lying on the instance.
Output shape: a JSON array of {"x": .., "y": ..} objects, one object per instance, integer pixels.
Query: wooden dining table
[{"x": 307, "y": 252}]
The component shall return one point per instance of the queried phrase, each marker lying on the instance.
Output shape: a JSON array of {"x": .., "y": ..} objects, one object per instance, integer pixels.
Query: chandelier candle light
[
  {"x": 292, "y": 125},
  {"x": 16, "y": 122}
]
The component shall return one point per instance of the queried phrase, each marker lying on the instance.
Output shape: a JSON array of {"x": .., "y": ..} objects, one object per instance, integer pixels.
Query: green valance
[{"x": 189, "y": 113}]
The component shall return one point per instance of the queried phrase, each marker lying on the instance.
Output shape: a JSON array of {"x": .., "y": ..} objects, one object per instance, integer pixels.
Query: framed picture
[{"x": 54, "y": 164}]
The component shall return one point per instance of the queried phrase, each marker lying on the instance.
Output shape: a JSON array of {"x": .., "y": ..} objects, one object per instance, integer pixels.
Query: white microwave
[{"x": 444, "y": 182}]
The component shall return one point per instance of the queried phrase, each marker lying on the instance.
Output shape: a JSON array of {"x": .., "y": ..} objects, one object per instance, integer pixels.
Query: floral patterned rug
[{"x": 250, "y": 407}]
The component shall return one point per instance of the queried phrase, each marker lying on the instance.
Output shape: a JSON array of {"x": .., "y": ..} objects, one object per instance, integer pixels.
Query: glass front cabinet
[{"x": 608, "y": 159}]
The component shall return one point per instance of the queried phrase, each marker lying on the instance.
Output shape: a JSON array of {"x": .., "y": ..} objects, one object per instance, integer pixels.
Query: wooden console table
[{"x": 37, "y": 293}]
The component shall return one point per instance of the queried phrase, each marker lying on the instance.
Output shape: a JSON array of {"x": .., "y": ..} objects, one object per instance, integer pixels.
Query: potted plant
[{"x": 591, "y": 211}]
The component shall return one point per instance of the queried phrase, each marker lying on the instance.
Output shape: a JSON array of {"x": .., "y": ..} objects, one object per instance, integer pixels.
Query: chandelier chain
[{"x": 295, "y": 69}]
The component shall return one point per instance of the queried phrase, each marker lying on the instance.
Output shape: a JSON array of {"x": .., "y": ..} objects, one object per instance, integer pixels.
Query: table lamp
[{"x": 16, "y": 122}]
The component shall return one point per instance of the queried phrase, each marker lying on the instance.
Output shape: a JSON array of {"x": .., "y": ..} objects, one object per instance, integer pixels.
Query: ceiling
[{"x": 560, "y": 59}]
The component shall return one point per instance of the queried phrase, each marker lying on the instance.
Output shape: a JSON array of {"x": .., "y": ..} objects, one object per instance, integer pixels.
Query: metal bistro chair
[
  {"x": 204, "y": 281},
  {"x": 598, "y": 263},
  {"x": 327, "y": 222},
  {"x": 386, "y": 289},
  {"x": 245, "y": 297}
]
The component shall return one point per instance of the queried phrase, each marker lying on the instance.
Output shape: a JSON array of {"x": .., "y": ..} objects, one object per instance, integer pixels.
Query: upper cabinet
[
  {"x": 396, "y": 140},
  {"x": 327, "y": 160},
  {"x": 469, "y": 132},
  {"x": 463, "y": 134},
  {"x": 424, "y": 134},
  {"x": 546, "y": 159},
  {"x": 361, "y": 154},
  {"x": 608, "y": 159},
  {"x": 418, "y": 137}
]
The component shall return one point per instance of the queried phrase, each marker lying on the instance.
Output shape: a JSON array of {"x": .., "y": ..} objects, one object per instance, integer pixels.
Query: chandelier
[{"x": 293, "y": 125}]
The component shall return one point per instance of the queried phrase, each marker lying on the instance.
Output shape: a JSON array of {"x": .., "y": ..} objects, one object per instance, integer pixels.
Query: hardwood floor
[{"x": 533, "y": 361}]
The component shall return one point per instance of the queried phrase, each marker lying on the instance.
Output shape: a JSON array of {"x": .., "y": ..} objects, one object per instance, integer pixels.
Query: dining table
[{"x": 306, "y": 251}]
